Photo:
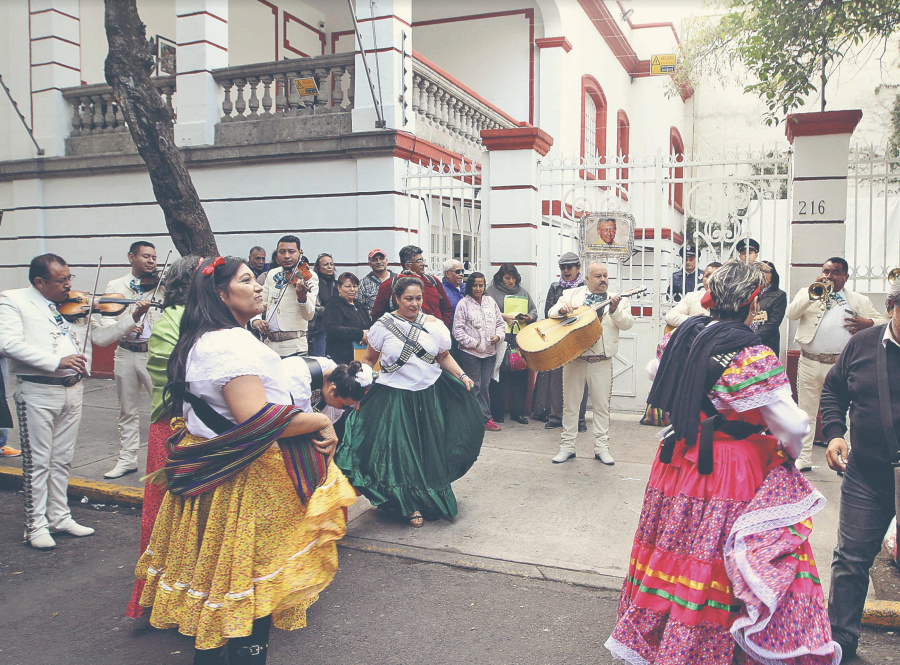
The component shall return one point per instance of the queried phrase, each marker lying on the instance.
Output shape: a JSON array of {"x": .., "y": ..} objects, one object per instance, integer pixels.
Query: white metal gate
[
  {"x": 709, "y": 202},
  {"x": 444, "y": 202}
]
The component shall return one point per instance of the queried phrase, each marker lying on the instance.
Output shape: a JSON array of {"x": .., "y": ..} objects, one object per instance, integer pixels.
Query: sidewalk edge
[
  {"x": 79, "y": 487},
  {"x": 881, "y": 614},
  {"x": 486, "y": 564}
]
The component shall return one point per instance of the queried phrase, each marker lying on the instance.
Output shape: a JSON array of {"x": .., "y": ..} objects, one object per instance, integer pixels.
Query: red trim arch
[
  {"x": 623, "y": 147},
  {"x": 676, "y": 190},
  {"x": 590, "y": 87}
]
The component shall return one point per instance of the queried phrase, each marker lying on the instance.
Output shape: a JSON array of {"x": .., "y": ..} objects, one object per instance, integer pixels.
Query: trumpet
[
  {"x": 821, "y": 290},
  {"x": 893, "y": 276}
]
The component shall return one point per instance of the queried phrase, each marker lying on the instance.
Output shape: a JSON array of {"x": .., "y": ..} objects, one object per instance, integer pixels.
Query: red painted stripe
[
  {"x": 67, "y": 41},
  {"x": 381, "y": 18},
  {"x": 818, "y": 221},
  {"x": 53, "y": 62},
  {"x": 287, "y": 16},
  {"x": 640, "y": 26},
  {"x": 202, "y": 13},
  {"x": 513, "y": 226},
  {"x": 204, "y": 41},
  {"x": 55, "y": 11},
  {"x": 609, "y": 30},
  {"x": 274, "y": 10}
]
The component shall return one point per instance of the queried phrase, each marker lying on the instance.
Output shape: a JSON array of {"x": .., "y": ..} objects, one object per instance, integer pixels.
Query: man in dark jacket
[
  {"x": 869, "y": 361},
  {"x": 435, "y": 302},
  {"x": 548, "y": 388},
  {"x": 687, "y": 280}
]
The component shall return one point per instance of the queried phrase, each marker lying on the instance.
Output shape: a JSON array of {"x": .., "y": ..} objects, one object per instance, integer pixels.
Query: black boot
[
  {"x": 216, "y": 656},
  {"x": 253, "y": 649}
]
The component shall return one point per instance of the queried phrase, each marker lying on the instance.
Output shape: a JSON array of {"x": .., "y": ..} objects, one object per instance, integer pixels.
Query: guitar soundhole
[{"x": 568, "y": 320}]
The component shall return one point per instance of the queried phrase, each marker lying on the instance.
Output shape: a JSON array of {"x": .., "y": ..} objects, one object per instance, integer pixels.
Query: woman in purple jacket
[{"x": 478, "y": 327}]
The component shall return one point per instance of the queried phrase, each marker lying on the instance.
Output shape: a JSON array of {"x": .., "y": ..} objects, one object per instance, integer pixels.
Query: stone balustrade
[
  {"x": 95, "y": 109},
  {"x": 266, "y": 90},
  {"x": 452, "y": 110}
]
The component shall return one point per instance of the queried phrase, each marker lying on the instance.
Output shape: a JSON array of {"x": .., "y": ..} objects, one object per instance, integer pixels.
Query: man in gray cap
[{"x": 547, "y": 402}]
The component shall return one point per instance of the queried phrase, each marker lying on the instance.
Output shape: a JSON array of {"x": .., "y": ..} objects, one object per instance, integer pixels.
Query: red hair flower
[{"x": 218, "y": 261}]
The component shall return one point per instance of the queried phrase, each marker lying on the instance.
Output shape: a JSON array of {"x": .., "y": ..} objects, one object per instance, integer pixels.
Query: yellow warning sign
[
  {"x": 662, "y": 64},
  {"x": 306, "y": 87}
]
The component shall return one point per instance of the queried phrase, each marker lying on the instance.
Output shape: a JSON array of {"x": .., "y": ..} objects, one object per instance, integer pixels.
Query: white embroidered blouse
[
  {"x": 416, "y": 374},
  {"x": 222, "y": 355}
]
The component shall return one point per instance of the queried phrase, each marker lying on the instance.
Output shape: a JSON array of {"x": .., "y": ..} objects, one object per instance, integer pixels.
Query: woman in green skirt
[{"x": 419, "y": 427}]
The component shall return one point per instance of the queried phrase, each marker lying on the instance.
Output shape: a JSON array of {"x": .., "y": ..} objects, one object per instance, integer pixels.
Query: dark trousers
[
  {"x": 548, "y": 397},
  {"x": 514, "y": 384},
  {"x": 867, "y": 507},
  {"x": 480, "y": 371}
]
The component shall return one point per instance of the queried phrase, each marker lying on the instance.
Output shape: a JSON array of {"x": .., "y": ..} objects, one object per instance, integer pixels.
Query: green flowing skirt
[{"x": 403, "y": 448}]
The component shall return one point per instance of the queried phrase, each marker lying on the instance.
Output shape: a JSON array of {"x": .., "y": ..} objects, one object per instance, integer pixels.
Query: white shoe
[
  {"x": 42, "y": 542},
  {"x": 75, "y": 529},
  {"x": 119, "y": 470},
  {"x": 562, "y": 456},
  {"x": 605, "y": 457}
]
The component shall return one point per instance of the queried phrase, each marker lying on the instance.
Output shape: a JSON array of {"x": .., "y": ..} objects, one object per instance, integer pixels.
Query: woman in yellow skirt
[{"x": 246, "y": 534}]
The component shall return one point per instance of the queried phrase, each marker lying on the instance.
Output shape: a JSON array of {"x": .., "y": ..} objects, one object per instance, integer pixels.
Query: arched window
[
  {"x": 593, "y": 124},
  {"x": 623, "y": 138},
  {"x": 676, "y": 190}
]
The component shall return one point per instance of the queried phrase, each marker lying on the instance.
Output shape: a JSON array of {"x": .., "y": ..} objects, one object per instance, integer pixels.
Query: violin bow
[
  {"x": 90, "y": 319},
  {"x": 153, "y": 295}
]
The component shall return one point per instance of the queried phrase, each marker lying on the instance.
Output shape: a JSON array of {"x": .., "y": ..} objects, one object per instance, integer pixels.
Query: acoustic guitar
[{"x": 552, "y": 343}]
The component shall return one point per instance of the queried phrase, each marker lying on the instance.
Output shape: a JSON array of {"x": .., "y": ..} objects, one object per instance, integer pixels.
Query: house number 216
[{"x": 812, "y": 207}]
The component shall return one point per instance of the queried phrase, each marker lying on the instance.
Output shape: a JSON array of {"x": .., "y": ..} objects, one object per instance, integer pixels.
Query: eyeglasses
[
  {"x": 569, "y": 266},
  {"x": 60, "y": 280},
  {"x": 419, "y": 261},
  {"x": 460, "y": 272}
]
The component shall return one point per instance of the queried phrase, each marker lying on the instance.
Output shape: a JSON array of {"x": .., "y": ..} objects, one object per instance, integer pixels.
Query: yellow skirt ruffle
[{"x": 247, "y": 549}]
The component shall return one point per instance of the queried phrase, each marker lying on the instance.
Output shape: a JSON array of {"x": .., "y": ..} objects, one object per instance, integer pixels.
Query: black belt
[
  {"x": 67, "y": 381},
  {"x": 136, "y": 347}
]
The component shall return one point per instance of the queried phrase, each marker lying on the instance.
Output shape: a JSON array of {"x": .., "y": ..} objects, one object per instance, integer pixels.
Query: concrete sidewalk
[{"x": 518, "y": 512}]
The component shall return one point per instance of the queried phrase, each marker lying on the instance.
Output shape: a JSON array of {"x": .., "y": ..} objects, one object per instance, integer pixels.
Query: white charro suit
[
  {"x": 810, "y": 372},
  {"x": 592, "y": 368},
  {"x": 130, "y": 366},
  {"x": 48, "y": 415},
  {"x": 688, "y": 306},
  {"x": 291, "y": 315}
]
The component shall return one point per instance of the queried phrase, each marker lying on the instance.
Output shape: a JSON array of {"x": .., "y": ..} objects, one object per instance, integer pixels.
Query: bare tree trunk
[{"x": 128, "y": 68}]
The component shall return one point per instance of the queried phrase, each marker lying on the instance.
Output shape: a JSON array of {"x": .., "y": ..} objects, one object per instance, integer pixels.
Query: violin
[
  {"x": 80, "y": 303},
  {"x": 299, "y": 271},
  {"x": 150, "y": 282}
]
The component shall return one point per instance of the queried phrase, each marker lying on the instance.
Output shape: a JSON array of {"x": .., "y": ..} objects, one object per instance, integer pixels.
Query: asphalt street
[{"x": 67, "y": 606}]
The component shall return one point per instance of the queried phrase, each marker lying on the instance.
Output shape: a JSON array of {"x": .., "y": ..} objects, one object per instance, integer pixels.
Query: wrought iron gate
[{"x": 709, "y": 202}]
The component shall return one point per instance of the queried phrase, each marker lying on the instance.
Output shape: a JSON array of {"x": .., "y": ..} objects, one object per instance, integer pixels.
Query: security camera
[{"x": 321, "y": 25}]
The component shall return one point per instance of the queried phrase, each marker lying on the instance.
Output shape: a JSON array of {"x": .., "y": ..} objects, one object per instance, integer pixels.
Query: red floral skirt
[
  {"x": 723, "y": 559},
  {"x": 160, "y": 431}
]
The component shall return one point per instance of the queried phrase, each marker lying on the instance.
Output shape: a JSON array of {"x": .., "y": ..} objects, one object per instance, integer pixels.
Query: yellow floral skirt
[{"x": 243, "y": 551}]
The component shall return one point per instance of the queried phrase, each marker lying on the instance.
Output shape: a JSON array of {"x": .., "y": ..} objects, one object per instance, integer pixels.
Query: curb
[
  {"x": 881, "y": 614},
  {"x": 593, "y": 580},
  {"x": 79, "y": 487}
]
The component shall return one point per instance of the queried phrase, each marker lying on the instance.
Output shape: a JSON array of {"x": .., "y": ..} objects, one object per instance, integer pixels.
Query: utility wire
[
  {"x": 379, "y": 114},
  {"x": 40, "y": 150}
]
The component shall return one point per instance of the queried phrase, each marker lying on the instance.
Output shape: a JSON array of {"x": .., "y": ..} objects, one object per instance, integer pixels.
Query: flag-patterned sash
[{"x": 193, "y": 468}]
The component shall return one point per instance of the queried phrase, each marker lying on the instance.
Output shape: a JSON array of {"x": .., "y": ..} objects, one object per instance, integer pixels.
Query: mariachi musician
[
  {"x": 593, "y": 368},
  {"x": 132, "y": 377},
  {"x": 49, "y": 356},
  {"x": 289, "y": 302}
]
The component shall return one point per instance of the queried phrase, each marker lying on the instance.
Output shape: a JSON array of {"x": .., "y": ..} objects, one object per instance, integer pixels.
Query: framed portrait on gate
[{"x": 607, "y": 235}]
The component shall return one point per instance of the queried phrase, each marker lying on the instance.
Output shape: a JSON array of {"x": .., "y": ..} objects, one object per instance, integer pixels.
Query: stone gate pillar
[
  {"x": 514, "y": 206},
  {"x": 821, "y": 143}
]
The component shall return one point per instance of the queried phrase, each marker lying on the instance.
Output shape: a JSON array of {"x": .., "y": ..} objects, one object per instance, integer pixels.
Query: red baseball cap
[{"x": 377, "y": 251}]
